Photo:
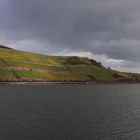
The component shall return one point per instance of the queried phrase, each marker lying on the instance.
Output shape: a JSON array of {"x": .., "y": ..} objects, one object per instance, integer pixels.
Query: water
[{"x": 70, "y": 112}]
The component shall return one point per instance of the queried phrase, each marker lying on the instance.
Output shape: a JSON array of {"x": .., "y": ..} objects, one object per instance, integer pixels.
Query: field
[{"x": 26, "y": 66}]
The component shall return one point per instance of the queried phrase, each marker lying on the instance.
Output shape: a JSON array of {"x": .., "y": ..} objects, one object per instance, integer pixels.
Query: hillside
[{"x": 26, "y": 66}]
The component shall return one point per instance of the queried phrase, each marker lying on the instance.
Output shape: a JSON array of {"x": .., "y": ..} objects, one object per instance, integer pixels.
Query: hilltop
[
  {"x": 18, "y": 65},
  {"x": 5, "y": 47}
]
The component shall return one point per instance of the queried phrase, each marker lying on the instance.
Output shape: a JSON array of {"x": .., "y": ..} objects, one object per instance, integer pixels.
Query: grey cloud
[{"x": 109, "y": 27}]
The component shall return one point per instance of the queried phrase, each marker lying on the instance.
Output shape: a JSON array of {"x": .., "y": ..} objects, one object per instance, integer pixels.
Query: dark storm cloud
[{"x": 101, "y": 27}]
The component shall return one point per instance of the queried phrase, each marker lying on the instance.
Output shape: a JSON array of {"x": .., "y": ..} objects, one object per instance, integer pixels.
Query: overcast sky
[{"x": 105, "y": 30}]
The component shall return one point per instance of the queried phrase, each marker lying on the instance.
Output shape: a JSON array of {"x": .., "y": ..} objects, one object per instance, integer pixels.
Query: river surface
[{"x": 70, "y": 112}]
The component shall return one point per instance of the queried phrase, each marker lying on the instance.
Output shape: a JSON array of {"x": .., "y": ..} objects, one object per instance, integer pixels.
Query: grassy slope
[{"x": 25, "y": 66}]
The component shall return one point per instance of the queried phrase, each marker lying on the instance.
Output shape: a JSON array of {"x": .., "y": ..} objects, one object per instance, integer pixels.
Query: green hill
[{"x": 26, "y": 66}]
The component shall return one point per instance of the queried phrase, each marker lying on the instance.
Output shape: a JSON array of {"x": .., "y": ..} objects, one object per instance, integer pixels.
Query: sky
[{"x": 105, "y": 30}]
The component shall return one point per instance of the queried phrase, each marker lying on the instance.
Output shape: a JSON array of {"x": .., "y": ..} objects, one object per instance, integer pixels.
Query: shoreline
[{"x": 68, "y": 83}]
